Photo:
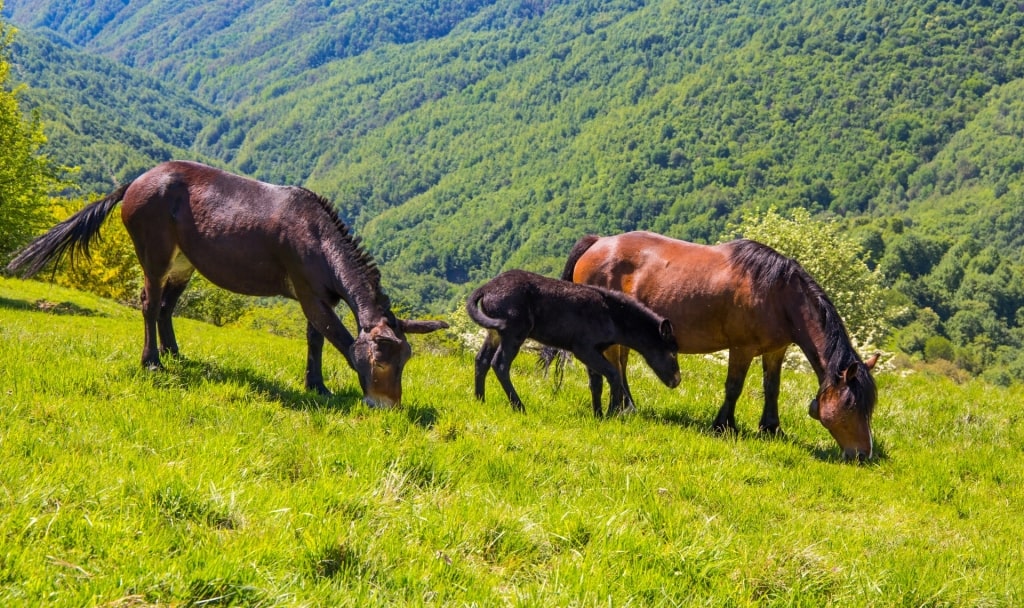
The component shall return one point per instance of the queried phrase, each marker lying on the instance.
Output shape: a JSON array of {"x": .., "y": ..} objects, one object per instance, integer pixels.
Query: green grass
[{"x": 220, "y": 482}]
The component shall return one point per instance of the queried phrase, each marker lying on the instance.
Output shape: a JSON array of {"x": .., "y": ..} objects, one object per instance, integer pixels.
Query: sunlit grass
[{"x": 220, "y": 481}]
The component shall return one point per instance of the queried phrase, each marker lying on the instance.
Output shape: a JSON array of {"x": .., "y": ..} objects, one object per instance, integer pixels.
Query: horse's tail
[
  {"x": 70, "y": 236},
  {"x": 548, "y": 354},
  {"x": 576, "y": 253},
  {"x": 478, "y": 315}
]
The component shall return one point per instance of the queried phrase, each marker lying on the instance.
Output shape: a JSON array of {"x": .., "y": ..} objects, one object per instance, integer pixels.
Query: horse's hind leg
[
  {"x": 502, "y": 365},
  {"x": 152, "y": 298},
  {"x": 739, "y": 364},
  {"x": 483, "y": 362},
  {"x": 173, "y": 288},
  {"x": 771, "y": 364}
]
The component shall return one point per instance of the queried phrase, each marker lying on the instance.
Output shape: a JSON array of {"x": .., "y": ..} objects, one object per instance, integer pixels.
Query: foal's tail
[
  {"x": 68, "y": 237},
  {"x": 478, "y": 315}
]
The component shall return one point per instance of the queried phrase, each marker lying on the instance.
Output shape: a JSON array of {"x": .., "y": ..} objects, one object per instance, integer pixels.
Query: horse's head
[
  {"x": 844, "y": 405},
  {"x": 380, "y": 355}
]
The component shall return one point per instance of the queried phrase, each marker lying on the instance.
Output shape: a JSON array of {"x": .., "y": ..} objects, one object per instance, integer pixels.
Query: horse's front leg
[
  {"x": 596, "y": 386},
  {"x": 322, "y": 322},
  {"x": 315, "y": 361},
  {"x": 619, "y": 356},
  {"x": 739, "y": 364},
  {"x": 771, "y": 364},
  {"x": 600, "y": 368}
]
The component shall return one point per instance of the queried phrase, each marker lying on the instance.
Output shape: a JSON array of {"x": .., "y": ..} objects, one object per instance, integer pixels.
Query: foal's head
[{"x": 380, "y": 354}]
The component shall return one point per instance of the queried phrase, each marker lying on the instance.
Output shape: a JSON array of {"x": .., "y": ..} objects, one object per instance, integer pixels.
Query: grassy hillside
[{"x": 220, "y": 481}]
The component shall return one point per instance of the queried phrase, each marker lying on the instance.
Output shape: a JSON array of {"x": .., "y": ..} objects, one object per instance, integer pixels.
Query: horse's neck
[
  {"x": 811, "y": 336},
  {"x": 359, "y": 290}
]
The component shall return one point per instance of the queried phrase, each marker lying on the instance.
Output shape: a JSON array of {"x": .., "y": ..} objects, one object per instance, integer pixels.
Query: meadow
[{"x": 219, "y": 481}]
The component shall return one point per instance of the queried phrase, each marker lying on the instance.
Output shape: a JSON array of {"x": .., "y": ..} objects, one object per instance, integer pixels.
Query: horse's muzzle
[
  {"x": 380, "y": 402},
  {"x": 855, "y": 455}
]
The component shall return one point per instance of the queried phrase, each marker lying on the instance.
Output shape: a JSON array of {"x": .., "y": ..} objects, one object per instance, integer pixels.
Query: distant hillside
[
  {"x": 461, "y": 138},
  {"x": 111, "y": 121},
  {"x": 227, "y": 50}
]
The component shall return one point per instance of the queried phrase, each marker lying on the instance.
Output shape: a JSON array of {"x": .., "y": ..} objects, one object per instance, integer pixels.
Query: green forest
[{"x": 464, "y": 138}]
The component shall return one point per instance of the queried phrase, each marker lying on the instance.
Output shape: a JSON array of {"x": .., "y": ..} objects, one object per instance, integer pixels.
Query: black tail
[
  {"x": 71, "y": 235},
  {"x": 548, "y": 354},
  {"x": 478, "y": 316},
  {"x": 576, "y": 253}
]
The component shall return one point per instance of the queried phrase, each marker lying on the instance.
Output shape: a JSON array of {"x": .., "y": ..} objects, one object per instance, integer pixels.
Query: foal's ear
[
  {"x": 421, "y": 327},
  {"x": 870, "y": 363},
  {"x": 668, "y": 333}
]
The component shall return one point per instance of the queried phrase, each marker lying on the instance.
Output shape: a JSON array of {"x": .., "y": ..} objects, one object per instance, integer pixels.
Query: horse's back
[
  {"x": 240, "y": 233},
  {"x": 712, "y": 304}
]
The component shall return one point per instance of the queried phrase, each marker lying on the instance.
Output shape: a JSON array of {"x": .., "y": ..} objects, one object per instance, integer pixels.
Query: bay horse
[
  {"x": 582, "y": 319},
  {"x": 251, "y": 238},
  {"x": 748, "y": 298}
]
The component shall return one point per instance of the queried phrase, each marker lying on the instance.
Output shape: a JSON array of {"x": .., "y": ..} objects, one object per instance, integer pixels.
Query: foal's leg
[
  {"x": 598, "y": 367},
  {"x": 619, "y": 356},
  {"x": 314, "y": 361},
  {"x": 483, "y": 362},
  {"x": 771, "y": 364},
  {"x": 596, "y": 386},
  {"x": 502, "y": 365},
  {"x": 739, "y": 364}
]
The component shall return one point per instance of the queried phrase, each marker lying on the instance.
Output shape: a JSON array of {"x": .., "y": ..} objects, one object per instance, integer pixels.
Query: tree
[
  {"x": 836, "y": 262},
  {"x": 26, "y": 176}
]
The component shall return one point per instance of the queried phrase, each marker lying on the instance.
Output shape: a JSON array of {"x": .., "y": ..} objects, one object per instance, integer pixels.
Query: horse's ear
[
  {"x": 421, "y": 327},
  {"x": 668, "y": 333},
  {"x": 870, "y": 363},
  {"x": 851, "y": 372}
]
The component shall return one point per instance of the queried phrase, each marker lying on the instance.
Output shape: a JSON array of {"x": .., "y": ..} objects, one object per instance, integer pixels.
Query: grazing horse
[
  {"x": 745, "y": 297},
  {"x": 585, "y": 320},
  {"x": 255, "y": 239}
]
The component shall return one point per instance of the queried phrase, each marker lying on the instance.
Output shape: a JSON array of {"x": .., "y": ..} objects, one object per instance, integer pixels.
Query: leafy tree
[
  {"x": 26, "y": 176},
  {"x": 836, "y": 262}
]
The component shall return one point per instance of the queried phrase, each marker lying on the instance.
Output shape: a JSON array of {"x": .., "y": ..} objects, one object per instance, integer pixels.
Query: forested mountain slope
[
  {"x": 465, "y": 137},
  {"x": 110, "y": 121}
]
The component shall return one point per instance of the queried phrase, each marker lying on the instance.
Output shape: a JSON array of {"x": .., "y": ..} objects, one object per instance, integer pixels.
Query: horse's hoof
[
  {"x": 773, "y": 430},
  {"x": 319, "y": 389}
]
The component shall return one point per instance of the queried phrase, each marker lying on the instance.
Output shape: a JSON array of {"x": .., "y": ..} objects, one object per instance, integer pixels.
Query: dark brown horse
[
  {"x": 582, "y": 319},
  {"x": 252, "y": 238},
  {"x": 745, "y": 297}
]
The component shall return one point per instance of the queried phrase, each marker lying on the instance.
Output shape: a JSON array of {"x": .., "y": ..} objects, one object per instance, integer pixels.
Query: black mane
[
  {"x": 354, "y": 250},
  {"x": 769, "y": 269}
]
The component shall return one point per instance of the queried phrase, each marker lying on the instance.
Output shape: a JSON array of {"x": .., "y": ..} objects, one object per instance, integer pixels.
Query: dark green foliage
[
  {"x": 25, "y": 173},
  {"x": 464, "y": 138},
  {"x": 112, "y": 122}
]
